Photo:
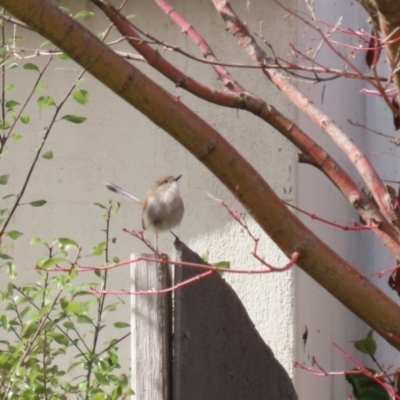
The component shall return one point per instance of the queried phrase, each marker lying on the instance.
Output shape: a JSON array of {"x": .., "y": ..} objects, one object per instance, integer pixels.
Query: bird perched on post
[{"x": 163, "y": 208}]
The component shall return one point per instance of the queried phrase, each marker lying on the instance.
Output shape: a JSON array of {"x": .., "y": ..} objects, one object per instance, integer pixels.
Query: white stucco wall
[
  {"x": 120, "y": 145},
  {"x": 326, "y": 319}
]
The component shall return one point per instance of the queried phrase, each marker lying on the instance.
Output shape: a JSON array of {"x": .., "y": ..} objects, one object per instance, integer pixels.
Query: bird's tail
[{"x": 117, "y": 189}]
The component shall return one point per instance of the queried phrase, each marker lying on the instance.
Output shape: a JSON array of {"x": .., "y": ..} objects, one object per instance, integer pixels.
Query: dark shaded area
[{"x": 218, "y": 353}]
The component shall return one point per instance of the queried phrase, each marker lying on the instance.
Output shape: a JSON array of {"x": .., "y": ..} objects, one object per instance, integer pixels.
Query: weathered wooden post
[{"x": 151, "y": 331}]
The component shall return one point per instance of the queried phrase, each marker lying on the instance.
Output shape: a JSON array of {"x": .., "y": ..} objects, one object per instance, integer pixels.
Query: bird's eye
[{"x": 165, "y": 182}]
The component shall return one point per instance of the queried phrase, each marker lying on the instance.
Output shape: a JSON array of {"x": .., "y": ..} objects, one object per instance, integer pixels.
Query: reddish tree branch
[
  {"x": 366, "y": 372},
  {"x": 152, "y": 292},
  {"x": 247, "y": 101},
  {"x": 220, "y": 157},
  {"x": 239, "y": 30},
  {"x": 204, "y": 47},
  {"x": 293, "y": 259},
  {"x": 374, "y": 81}
]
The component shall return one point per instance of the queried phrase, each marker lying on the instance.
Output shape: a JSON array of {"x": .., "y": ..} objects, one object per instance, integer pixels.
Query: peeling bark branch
[
  {"x": 240, "y": 98},
  {"x": 372, "y": 180}
]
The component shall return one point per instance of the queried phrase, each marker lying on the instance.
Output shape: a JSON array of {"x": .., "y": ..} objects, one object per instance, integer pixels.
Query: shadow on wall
[{"x": 218, "y": 353}]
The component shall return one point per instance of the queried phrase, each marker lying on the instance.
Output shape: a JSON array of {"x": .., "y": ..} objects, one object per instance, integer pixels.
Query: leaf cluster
[{"x": 51, "y": 330}]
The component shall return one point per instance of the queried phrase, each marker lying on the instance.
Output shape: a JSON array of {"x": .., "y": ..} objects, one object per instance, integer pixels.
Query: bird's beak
[{"x": 178, "y": 177}]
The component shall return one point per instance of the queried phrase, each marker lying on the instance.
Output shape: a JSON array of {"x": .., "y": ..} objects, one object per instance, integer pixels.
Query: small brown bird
[{"x": 163, "y": 208}]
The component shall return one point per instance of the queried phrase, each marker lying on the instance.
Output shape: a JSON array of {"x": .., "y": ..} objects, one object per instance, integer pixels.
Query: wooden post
[{"x": 151, "y": 332}]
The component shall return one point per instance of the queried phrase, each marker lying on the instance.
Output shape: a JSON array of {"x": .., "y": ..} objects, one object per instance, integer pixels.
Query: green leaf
[
  {"x": 59, "y": 338},
  {"x": 116, "y": 393},
  {"x": 4, "y": 179},
  {"x": 84, "y": 319},
  {"x": 10, "y": 104},
  {"x": 131, "y": 16},
  {"x": 16, "y": 136},
  {"x": 14, "y": 234},
  {"x": 4, "y": 125},
  {"x": 43, "y": 132},
  {"x": 25, "y": 119},
  {"x": 64, "y": 56},
  {"x": 37, "y": 240},
  {"x": 4, "y": 211},
  {"x": 48, "y": 155},
  {"x": 79, "y": 81},
  {"x": 99, "y": 205},
  {"x": 66, "y": 242},
  {"x": 40, "y": 261},
  {"x": 38, "y": 203},
  {"x": 5, "y": 256},
  {"x": 45, "y": 43},
  {"x": 81, "y": 14},
  {"x": 101, "y": 379},
  {"x": 38, "y": 87},
  {"x": 31, "y": 66},
  {"x": 365, "y": 388},
  {"x": 205, "y": 257},
  {"x": 97, "y": 250},
  {"x": 4, "y": 324},
  {"x": 366, "y": 345},
  {"x": 51, "y": 262},
  {"x": 10, "y": 289},
  {"x": 68, "y": 325},
  {"x": 101, "y": 35},
  {"x": 11, "y": 270},
  {"x": 29, "y": 329},
  {"x": 44, "y": 101},
  {"x": 123, "y": 380},
  {"x": 100, "y": 395},
  {"x": 12, "y": 66},
  {"x": 121, "y": 325},
  {"x": 9, "y": 86},
  {"x": 223, "y": 264},
  {"x": 116, "y": 207},
  {"x": 74, "y": 118},
  {"x": 112, "y": 306},
  {"x": 81, "y": 96},
  {"x": 71, "y": 307},
  {"x": 48, "y": 325},
  {"x": 4, "y": 358}
]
